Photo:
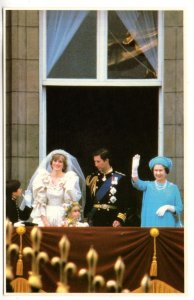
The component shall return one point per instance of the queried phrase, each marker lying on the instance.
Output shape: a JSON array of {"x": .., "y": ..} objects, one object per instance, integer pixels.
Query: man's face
[{"x": 101, "y": 164}]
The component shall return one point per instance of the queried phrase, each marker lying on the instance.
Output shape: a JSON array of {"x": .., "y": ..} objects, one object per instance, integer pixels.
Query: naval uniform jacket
[{"x": 113, "y": 205}]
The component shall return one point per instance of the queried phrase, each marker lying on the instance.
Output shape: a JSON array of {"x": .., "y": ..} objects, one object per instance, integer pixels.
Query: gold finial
[
  {"x": 9, "y": 228},
  {"x": 116, "y": 286},
  {"x": 37, "y": 257},
  {"x": 94, "y": 281},
  {"x": 36, "y": 236},
  {"x": 111, "y": 286},
  {"x": 154, "y": 232},
  {"x": 64, "y": 247},
  {"x": 119, "y": 270},
  {"x": 92, "y": 259},
  {"x": 98, "y": 282},
  {"x": 20, "y": 230},
  {"x": 65, "y": 268},
  {"x": 10, "y": 250},
  {"x": 146, "y": 284}
]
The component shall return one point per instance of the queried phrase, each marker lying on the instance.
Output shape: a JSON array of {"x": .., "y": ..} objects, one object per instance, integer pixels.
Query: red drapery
[{"x": 134, "y": 245}]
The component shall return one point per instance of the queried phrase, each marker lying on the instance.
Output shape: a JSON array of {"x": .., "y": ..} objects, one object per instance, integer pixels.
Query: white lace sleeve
[
  {"x": 39, "y": 194},
  {"x": 72, "y": 188}
]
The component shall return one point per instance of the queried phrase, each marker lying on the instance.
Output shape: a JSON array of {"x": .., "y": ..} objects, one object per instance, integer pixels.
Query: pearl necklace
[{"x": 160, "y": 186}]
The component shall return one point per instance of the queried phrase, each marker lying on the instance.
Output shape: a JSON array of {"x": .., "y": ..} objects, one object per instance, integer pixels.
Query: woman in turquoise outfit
[{"x": 161, "y": 205}]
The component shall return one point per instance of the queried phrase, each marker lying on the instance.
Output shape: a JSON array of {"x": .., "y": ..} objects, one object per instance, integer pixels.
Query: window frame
[{"x": 101, "y": 79}]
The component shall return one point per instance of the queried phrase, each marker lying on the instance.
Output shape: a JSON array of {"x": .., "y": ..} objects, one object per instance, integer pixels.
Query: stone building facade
[
  {"x": 22, "y": 93},
  {"x": 173, "y": 93}
]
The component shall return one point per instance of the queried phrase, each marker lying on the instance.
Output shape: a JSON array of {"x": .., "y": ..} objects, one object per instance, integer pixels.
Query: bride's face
[{"x": 58, "y": 163}]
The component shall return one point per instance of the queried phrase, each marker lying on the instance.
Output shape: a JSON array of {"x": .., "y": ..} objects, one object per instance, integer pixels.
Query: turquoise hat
[{"x": 160, "y": 160}]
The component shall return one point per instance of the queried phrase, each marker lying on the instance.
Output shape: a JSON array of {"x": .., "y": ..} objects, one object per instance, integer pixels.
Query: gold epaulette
[
  {"x": 91, "y": 183},
  {"x": 88, "y": 179}
]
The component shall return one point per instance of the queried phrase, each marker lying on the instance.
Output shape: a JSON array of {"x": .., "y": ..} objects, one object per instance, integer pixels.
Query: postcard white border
[{"x": 188, "y": 8}]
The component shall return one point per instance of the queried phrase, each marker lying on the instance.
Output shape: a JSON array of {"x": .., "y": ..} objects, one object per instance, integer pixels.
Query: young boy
[{"x": 13, "y": 193}]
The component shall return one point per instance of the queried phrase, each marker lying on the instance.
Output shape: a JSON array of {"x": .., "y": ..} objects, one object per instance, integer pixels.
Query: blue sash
[{"x": 105, "y": 187}]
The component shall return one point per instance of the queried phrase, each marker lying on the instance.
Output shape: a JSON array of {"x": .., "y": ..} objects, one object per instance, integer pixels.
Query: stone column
[
  {"x": 22, "y": 94},
  {"x": 173, "y": 94}
]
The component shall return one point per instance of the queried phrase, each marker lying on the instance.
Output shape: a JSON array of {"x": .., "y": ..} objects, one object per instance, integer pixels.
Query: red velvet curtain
[{"x": 134, "y": 245}]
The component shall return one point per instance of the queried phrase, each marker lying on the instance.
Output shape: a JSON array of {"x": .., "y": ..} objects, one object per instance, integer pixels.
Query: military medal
[
  {"x": 112, "y": 190},
  {"x": 114, "y": 180},
  {"x": 104, "y": 178},
  {"x": 113, "y": 199}
]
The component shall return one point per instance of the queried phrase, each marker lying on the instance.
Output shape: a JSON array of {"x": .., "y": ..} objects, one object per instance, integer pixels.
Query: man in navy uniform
[{"x": 107, "y": 193}]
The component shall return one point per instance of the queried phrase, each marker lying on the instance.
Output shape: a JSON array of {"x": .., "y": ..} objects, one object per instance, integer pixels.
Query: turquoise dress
[{"x": 154, "y": 198}]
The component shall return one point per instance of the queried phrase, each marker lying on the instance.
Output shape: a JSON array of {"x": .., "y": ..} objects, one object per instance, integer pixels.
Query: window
[
  {"x": 123, "y": 43},
  {"x": 98, "y": 54},
  {"x": 132, "y": 44},
  {"x": 71, "y": 44}
]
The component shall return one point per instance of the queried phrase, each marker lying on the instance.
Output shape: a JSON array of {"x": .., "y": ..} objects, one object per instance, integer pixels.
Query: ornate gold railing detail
[
  {"x": 65, "y": 268},
  {"x": 95, "y": 282},
  {"x": 116, "y": 286},
  {"x": 11, "y": 249},
  {"x": 37, "y": 258}
]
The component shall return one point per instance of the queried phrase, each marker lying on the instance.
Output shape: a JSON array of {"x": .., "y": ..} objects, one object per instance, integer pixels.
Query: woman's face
[
  {"x": 58, "y": 163},
  {"x": 75, "y": 213},
  {"x": 159, "y": 173}
]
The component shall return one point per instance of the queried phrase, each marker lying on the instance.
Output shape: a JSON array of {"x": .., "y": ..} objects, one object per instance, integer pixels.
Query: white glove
[
  {"x": 18, "y": 224},
  {"x": 161, "y": 211},
  {"x": 135, "y": 165}
]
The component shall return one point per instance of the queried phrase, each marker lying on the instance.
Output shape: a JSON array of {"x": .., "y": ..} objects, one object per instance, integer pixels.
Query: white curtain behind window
[
  {"x": 61, "y": 27},
  {"x": 140, "y": 24}
]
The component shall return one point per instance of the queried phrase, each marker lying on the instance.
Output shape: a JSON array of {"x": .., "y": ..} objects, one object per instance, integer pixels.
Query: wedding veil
[{"x": 72, "y": 165}]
